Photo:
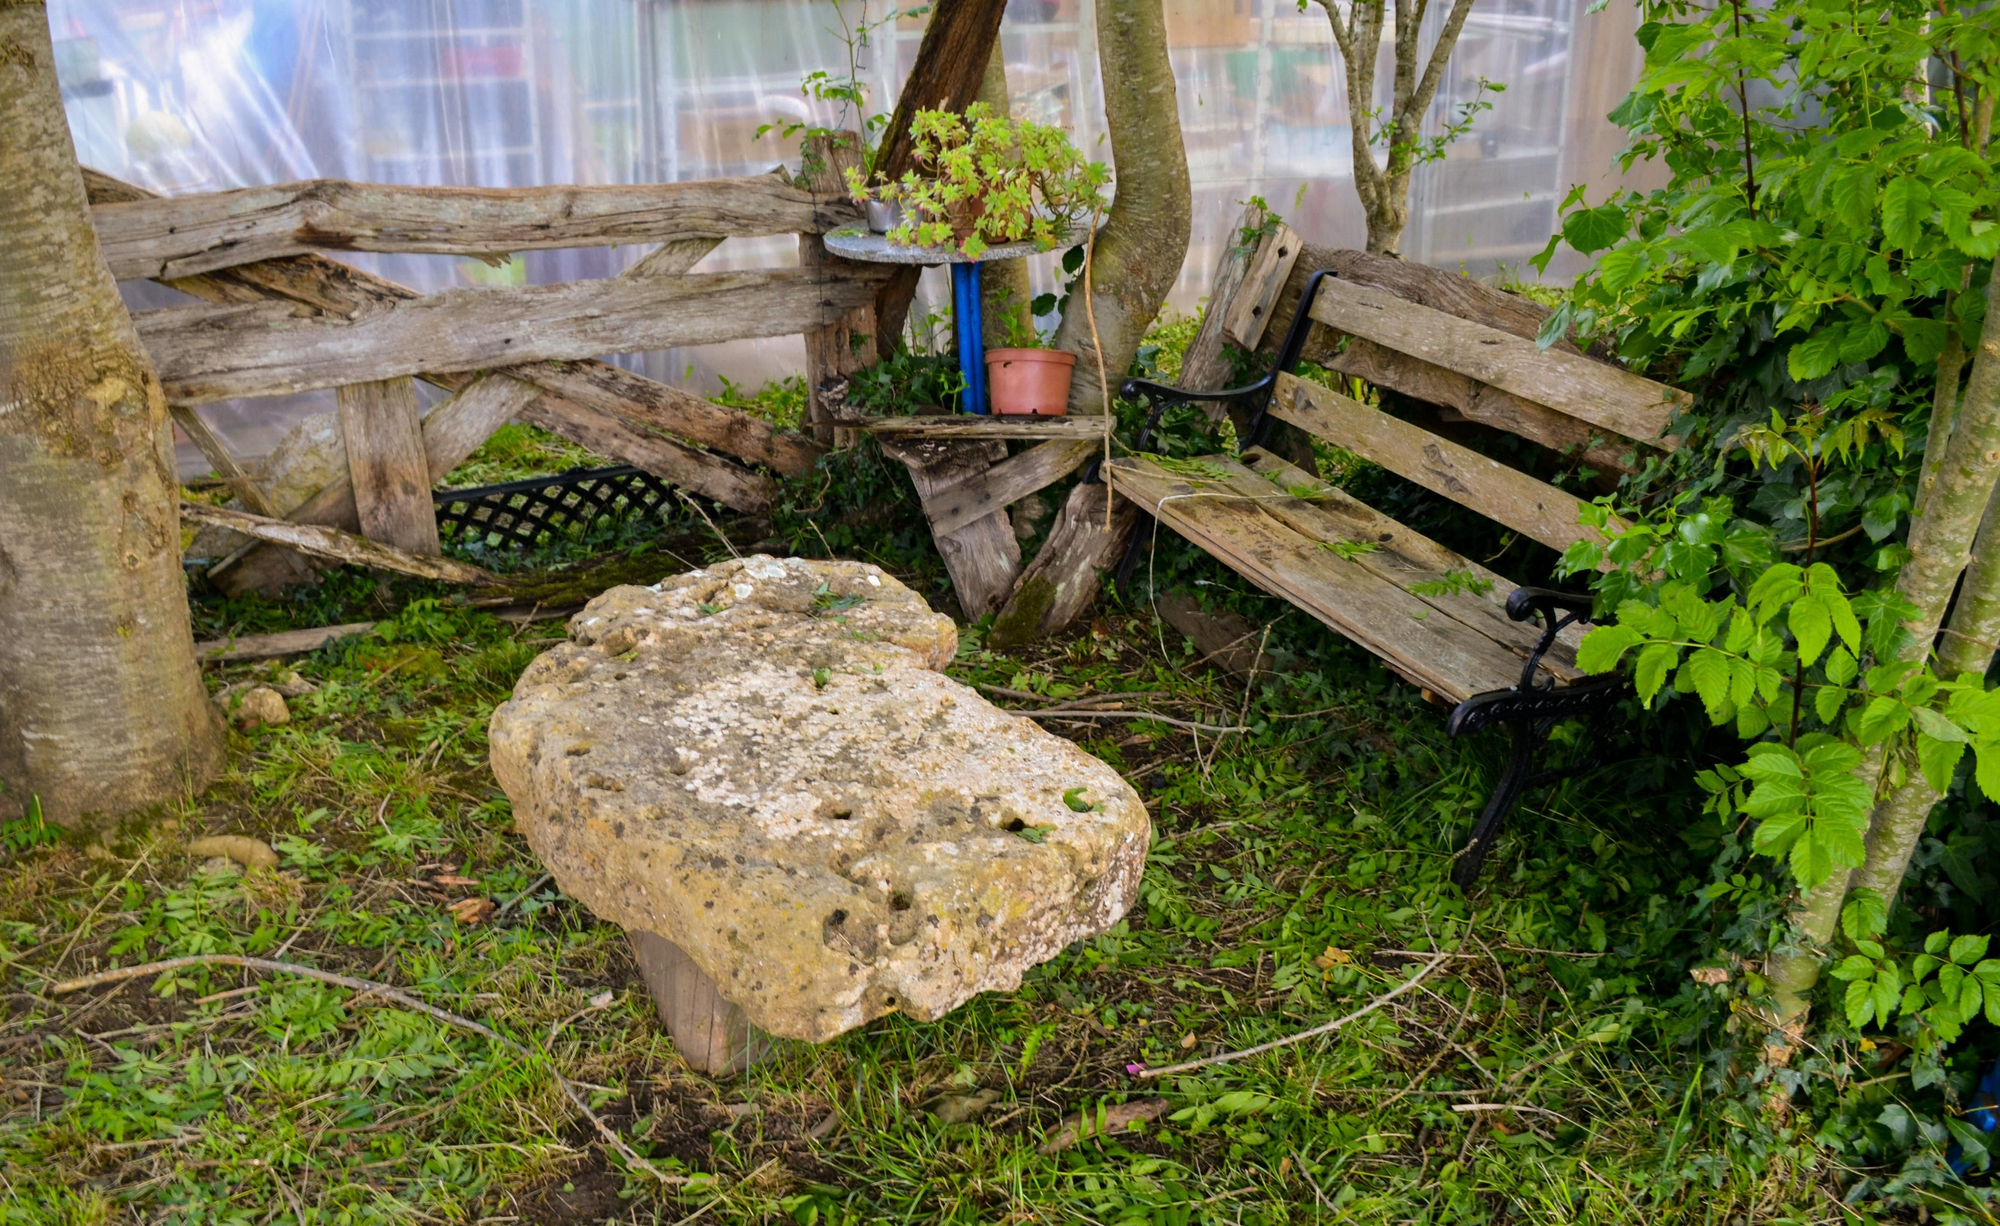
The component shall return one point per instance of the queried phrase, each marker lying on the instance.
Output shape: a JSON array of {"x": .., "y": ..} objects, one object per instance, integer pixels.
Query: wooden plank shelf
[{"x": 973, "y": 426}]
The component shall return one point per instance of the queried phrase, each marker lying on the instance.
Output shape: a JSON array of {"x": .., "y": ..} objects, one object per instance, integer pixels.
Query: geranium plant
[{"x": 984, "y": 179}]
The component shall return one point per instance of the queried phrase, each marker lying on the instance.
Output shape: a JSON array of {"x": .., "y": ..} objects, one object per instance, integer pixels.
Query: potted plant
[
  {"x": 1026, "y": 378},
  {"x": 984, "y": 179}
]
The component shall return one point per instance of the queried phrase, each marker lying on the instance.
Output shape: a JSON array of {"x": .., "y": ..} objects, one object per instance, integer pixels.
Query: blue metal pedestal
[{"x": 970, "y": 325}]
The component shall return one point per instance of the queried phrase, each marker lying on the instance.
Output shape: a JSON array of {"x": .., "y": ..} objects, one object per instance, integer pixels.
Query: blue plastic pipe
[
  {"x": 971, "y": 335},
  {"x": 977, "y": 302}
]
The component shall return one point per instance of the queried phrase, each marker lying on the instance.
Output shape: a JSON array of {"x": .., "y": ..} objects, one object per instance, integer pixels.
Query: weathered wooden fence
[{"x": 277, "y": 317}]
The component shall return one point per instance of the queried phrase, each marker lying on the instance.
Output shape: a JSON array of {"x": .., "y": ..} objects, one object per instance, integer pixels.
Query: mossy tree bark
[
  {"x": 1385, "y": 188},
  {"x": 1942, "y": 536},
  {"x": 102, "y": 708},
  {"x": 1140, "y": 248}
]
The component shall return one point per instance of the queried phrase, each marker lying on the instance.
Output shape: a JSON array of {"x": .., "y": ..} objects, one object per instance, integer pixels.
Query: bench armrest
[
  {"x": 1526, "y": 602},
  {"x": 1133, "y": 389}
]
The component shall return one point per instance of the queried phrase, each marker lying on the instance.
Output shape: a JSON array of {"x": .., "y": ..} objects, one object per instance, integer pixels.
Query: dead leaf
[
  {"x": 961, "y": 1108},
  {"x": 473, "y": 910},
  {"x": 1709, "y": 976},
  {"x": 453, "y": 879},
  {"x": 1187, "y": 1040},
  {"x": 1334, "y": 956},
  {"x": 1103, "y": 1123}
]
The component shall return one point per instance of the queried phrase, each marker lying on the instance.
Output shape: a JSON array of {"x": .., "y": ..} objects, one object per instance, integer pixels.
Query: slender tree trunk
[
  {"x": 1007, "y": 291},
  {"x": 1140, "y": 249},
  {"x": 102, "y": 708}
]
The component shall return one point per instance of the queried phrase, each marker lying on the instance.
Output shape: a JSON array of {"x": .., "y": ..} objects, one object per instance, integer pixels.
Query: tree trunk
[
  {"x": 1941, "y": 543},
  {"x": 1004, "y": 284},
  {"x": 1139, "y": 251},
  {"x": 1961, "y": 485},
  {"x": 102, "y": 708}
]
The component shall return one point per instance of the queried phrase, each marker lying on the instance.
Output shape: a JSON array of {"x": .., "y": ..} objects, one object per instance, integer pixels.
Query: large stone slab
[{"x": 761, "y": 763}]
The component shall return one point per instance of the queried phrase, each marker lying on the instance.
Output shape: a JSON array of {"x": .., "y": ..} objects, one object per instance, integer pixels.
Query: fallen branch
[
  {"x": 272, "y": 646},
  {"x": 318, "y": 541},
  {"x": 1303, "y": 1035},
  {"x": 1468, "y": 1107},
  {"x": 1087, "y": 713},
  {"x": 372, "y": 988}
]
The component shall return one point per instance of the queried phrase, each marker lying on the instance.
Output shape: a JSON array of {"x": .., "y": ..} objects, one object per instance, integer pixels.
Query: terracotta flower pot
[{"x": 1029, "y": 382}]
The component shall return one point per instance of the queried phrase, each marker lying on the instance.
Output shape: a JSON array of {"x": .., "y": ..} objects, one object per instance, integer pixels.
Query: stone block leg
[{"x": 712, "y": 1034}]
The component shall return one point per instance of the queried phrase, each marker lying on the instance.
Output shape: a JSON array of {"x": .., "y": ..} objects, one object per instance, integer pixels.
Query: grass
[
  {"x": 1297, "y": 871},
  {"x": 1558, "y": 1067}
]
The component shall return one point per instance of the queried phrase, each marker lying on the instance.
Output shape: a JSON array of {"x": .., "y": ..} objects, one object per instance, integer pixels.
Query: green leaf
[
  {"x": 1939, "y": 760},
  {"x": 1827, "y": 701},
  {"x": 1864, "y": 916},
  {"x": 1841, "y": 666},
  {"x": 1604, "y": 646},
  {"x": 1814, "y": 356},
  {"x": 1987, "y": 772},
  {"x": 1969, "y": 949},
  {"x": 1812, "y": 625},
  {"x": 1853, "y": 966},
  {"x": 1650, "y": 672},
  {"x": 1906, "y": 204},
  {"x": 1934, "y": 723},
  {"x": 1592, "y": 230},
  {"x": 1860, "y": 1002},
  {"x": 1708, "y": 670}
]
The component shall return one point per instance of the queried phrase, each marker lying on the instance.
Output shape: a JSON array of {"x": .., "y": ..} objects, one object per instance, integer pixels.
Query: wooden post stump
[
  {"x": 712, "y": 1034},
  {"x": 387, "y": 465}
]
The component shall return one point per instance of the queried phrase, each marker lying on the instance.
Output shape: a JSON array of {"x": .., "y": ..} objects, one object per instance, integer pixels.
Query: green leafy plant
[
  {"x": 1453, "y": 582},
  {"x": 846, "y": 93},
  {"x": 983, "y": 179}
]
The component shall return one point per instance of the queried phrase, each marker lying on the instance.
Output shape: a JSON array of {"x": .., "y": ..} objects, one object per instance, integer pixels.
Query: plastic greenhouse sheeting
[{"x": 183, "y": 96}]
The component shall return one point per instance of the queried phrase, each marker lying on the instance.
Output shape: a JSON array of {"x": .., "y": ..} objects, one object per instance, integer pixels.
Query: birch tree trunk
[
  {"x": 102, "y": 708},
  {"x": 1140, "y": 248}
]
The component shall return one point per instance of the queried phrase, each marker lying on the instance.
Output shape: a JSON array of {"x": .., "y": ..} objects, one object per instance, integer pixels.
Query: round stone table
[{"x": 968, "y": 316}]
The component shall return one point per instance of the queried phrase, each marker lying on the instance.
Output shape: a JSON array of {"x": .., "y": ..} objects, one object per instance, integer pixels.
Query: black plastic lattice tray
[{"x": 517, "y": 513}]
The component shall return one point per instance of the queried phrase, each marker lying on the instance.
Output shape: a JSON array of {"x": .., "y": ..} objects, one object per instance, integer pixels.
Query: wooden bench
[{"x": 1440, "y": 620}]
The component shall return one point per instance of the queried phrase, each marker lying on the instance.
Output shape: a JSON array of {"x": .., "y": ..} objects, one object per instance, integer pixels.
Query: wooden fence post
[
  {"x": 830, "y": 350},
  {"x": 387, "y": 464}
]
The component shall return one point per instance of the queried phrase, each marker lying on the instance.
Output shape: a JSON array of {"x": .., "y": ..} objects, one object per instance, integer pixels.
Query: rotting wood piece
[
  {"x": 983, "y": 557},
  {"x": 1434, "y": 649},
  {"x": 836, "y": 350},
  {"x": 1251, "y": 305},
  {"x": 317, "y": 285},
  {"x": 179, "y": 236},
  {"x": 965, "y": 425},
  {"x": 1606, "y": 396},
  {"x": 1394, "y": 552},
  {"x": 1004, "y": 484},
  {"x": 273, "y": 646},
  {"x": 1230, "y": 642},
  {"x": 1505, "y": 495},
  {"x": 1066, "y": 575},
  {"x": 337, "y": 546},
  {"x": 703, "y": 472},
  {"x": 209, "y": 353},
  {"x": 1205, "y": 366},
  {"x": 217, "y": 453},
  {"x": 1487, "y": 405},
  {"x": 384, "y": 435}
]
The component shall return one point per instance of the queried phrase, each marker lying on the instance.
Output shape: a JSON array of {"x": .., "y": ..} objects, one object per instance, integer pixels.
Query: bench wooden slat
[
  {"x": 1595, "y": 392},
  {"x": 1006, "y": 483},
  {"x": 1431, "y": 648},
  {"x": 1403, "y": 556},
  {"x": 1505, "y": 495}
]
